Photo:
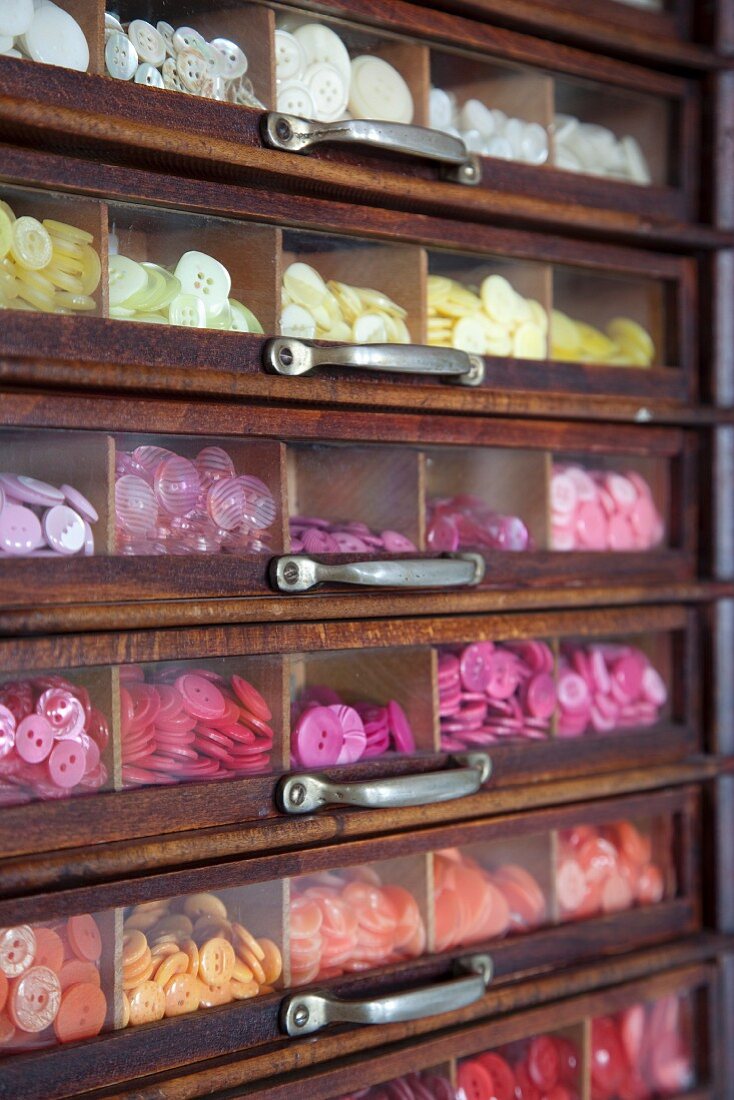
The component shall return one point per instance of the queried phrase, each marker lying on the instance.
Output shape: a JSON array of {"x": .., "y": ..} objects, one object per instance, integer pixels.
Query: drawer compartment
[{"x": 380, "y": 915}]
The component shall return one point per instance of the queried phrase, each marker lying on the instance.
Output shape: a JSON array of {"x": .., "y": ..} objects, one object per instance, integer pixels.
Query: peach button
[
  {"x": 84, "y": 937},
  {"x": 183, "y": 994},
  {"x": 147, "y": 1003},
  {"x": 134, "y": 945},
  {"x": 216, "y": 961},
  {"x": 175, "y": 964}
]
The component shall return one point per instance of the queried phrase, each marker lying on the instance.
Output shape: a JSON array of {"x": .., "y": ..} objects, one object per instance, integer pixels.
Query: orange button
[
  {"x": 49, "y": 950},
  {"x": 212, "y": 995},
  {"x": 253, "y": 962},
  {"x": 216, "y": 961},
  {"x": 84, "y": 937},
  {"x": 170, "y": 967},
  {"x": 134, "y": 946},
  {"x": 242, "y": 991},
  {"x": 242, "y": 936},
  {"x": 75, "y": 971},
  {"x": 193, "y": 955},
  {"x": 183, "y": 994},
  {"x": 205, "y": 905},
  {"x": 272, "y": 961},
  {"x": 82, "y": 1013},
  {"x": 147, "y": 1003}
]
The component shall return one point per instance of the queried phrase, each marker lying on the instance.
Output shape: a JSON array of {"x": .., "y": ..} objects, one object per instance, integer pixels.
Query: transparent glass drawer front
[
  {"x": 435, "y": 1084},
  {"x": 647, "y": 1050},
  {"x": 549, "y": 1064}
]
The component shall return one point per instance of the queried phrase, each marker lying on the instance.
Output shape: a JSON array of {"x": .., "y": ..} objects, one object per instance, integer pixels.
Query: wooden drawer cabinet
[
  {"x": 524, "y": 78},
  {"x": 535, "y": 876},
  {"x": 409, "y": 669}
]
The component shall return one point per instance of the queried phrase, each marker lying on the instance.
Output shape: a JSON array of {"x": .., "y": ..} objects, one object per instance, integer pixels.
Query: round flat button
[
  {"x": 204, "y": 277},
  {"x": 251, "y": 698},
  {"x": 233, "y": 62},
  {"x": 475, "y": 1081},
  {"x": 80, "y": 503},
  {"x": 16, "y": 17},
  {"x": 290, "y": 60},
  {"x": 187, "y": 311},
  {"x": 55, "y": 38},
  {"x": 400, "y": 727},
  {"x": 148, "y": 74},
  {"x": 126, "y": 277},
  {"x": 321, "y": 43},
  {"x": 216, "y": 961},
  {"x": 32, "y": 247},
  {"x": 29, "y": 490},
  {"x": 64, "y": 529},
  {"x": 377, "y": 90},
  {"x": 20, "y": 530},
  {"x": 34, "y": 738},
  {"x": 294, "y": 98},
  {"x": 121, "y": 59},
  {"x": 82, "y": 1012},
  {"x": 200, "y": 697},
  {"x": 328, "y": 91},
  {"x": 148, "y": 42},
  {"x": 17, "y": 950},
  {"x": 34, "y": 999},
  {"x": 67, "y": 764},
  {"x": 193, "y": 69},
  {"x": 475, "y": 666},
  {"x": 319, "y": 737}
]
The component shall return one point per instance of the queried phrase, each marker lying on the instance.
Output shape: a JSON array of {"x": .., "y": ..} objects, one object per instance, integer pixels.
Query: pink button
[
  {"x": 63, "y": 710},
  {"x": 29, "y": 490},
  {"x": 251, "y": 699},
  {"x": 540, "y": 695},
  {"x": 20, "y": 530},
  {"x": 591, "y": 527},
  {"x": 79, "y": 502},
  {"x": 564, "y": 495},
  {"x": 176, "y": 485},
  {"x": 64, "y": 529},
  {"x": 573, "y": 693},
  {"x": 503, "y": 674},
  {"x": 67, "y": 763},
  {"x": 400, "y": 728},
  {"x": 225, "y": 503},
  {"x": 476, "y": 666},
  {"x": 395, "y": 543},
  {"x": 318, "y": 738},
  {"x": 200, "y": 697},
  {"x": 7, "y": 731},
  {"x": 628, "y": 672},
  {"x": 355, "y": 738},
  {"x": 34, "y": 738}
]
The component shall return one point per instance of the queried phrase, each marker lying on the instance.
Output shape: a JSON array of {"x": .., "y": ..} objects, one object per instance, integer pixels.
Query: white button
[
  {"x": 165, "y": 30},
  {"x": 193, "y": 69},
  {"x": 297, "y": 322},
  {"x": 204, "y": 277},
  {"x": 305, "y": 285},
  {"x": 147, "y": 41},
  {"x": 440, "y": 109},
  {"x": 370, "y": 328},
  {"x": 473, "y": 140},
  {"x": 232, "y": 60},
  {"x": 148, "y": 74},
  {"x": 534, "y": 145},
  {"x": 475, "y": 116},
  {"x": 636, "y": 163},
  {"x": 294, "y": 98},
  {"x": 187, "y": 310},
  {"x": 290, "y": 60},
  {"x": 121, "y": 57},
  {"x": 126, "y": 278},
  {"x": 171, "y": 79},
  {"x": 328, "y": 91},
  {"x": 320, "y": 43},
  {"x": 379, "y": 91},
  {"x": 111, "y": 25},
  {"x": 498, "y": 147},
  {"x": 514, "y": 133},
  {"x": 6, "y": 43},
  {"x": 55, "y": 38},
  {"x": 16, "y": 17}
]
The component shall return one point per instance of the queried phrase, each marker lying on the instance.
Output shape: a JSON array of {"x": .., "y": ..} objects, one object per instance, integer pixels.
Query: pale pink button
[
  {"x": 64, "y": 529},
  {"x": 34, "y": 738},
  {"x": 67, "y": 763},
  {"x": 78, "y": 501},
  {"x": 20, "y": 530}
]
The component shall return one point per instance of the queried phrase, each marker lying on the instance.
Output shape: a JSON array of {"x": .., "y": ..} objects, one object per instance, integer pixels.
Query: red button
[{"x": 476, "y": 1082}]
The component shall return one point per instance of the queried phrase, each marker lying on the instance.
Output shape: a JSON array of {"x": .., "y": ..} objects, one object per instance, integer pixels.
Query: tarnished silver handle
[
  {"x": 299, "y": 573},
  {"x": 299, "y": 135},
  {"x": 296, "y": 357},
  {"x": 304, "y": 793},
  {"x": 304, "y": 1013}
]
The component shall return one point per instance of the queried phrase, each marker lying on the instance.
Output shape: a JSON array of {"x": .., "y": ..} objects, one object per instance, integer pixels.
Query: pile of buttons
[
  {"x": 489, "y": 691},
  {"x": 196, "y": 295},
  {"x": 168, "y": 504},
  {"x": 313, "y": 309},
  {"x": 602, "y": 510},
  {"x": 180, "y": 60},
  {"x": 186, "y": 726},
  {"x": 179, "y": 956},
  {"x": 50, "y": 983},
  {"x": 51, "y": 740},
  {"x": 327, "y": 731},
  {"x": 426, "y": 1085},
  {"x": 606, "y": 870},
  {"x": 316, "y": 78},
  {"x": 624, "y": 344},
  {"x": 547, "y": 1067},
  {"x": 320, "y": 536},
  {"x": 597, "y": 151},
  {"x": 467, "y": 522},
  {"x": 46, "y": 267},
  {"x": 42, "y": 31},
  {"x": 495, "y": 320},
  {"x": 487, "y": 130},
  {"x": 607, "y": 687},
  {"x": 643, "y": 1052},
  {"x": 473, "y": 904},
  {"x": 39, "y": 520},
  {"x": 348, "y": 922}
]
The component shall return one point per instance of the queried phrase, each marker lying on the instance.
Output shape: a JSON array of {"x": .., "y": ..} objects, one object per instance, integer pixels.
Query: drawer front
[
  {"x": 463, "y": 906},
  {"x": 654, "y": 1036},
  {"x": 427, "y": 313},
  {"x": 450, "y": 714},
  {"x": 504, "y": 113},
  {"x": 530, "y": 504}
]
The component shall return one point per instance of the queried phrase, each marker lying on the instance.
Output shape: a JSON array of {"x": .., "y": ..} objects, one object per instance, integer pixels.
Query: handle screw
[
  {"x": 301, "y": 1016},
  {"x": 298, "y": 794},
  {"x": 283, "y": 129}
]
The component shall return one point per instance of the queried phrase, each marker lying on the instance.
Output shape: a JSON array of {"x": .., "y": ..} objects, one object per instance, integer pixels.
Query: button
[
  {"x": 233, "y": 63},
  {"x": 31, "y": 247},
  {"x": 148, "y": 42},
  {"x": 20, "y": 530},
  {"x": 17, "y": 950},
  {"x": 64, "y": 529},
  {"x": 79, "y": 502},
  {"x": 55, "y": 38},
  {"x": 67, "y": 764},
  {"x": 34, "y": 738},
  {"x": 321, "y": 44},
  {"x": 148, "y": 74},
  {"x": 204, "y": 277},
  {"x": 290, "y": 60},
  {"x": 121, "y": 57},
  {"x": 319, "y": 738},
  {"x": 16, "y": 17},
  {"x": 34, "y": 999},
  {"x": 377, "y": 90},
  {"x": 200, "y": 697},
  {"x": 475, "y": 1081}
]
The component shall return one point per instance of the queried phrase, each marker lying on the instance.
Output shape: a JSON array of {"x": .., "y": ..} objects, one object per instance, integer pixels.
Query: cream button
[
  {"x": 499, "y": 147},
  {"x": 188, "y": 311},
  {"x": 370, "y": 328},
  {"x": 148, "y": 74},
  {"x": 294, "y": 98},
  {"x": 121, "y": 57},
  {"x": 476, "y": 116},
  {"x": 55, "y": 38},
  {"x": 305, "y": 285},
  {"x": 233, "y": 63},
  {"x": 186, "y": 38},
  {"x": 328, "y": 91},
  {"x": 192, "y": 69},
  {"x": 16, "y": 17},
  {"x": 290, "y": 60},
  {"x": 166, "y": 31},
  {"x": 148, "y": 42},
  {"x": 204, "y": 277},
  {"x": 320, "y": 43},
  {"x": 378, "y": 90},
  {"x": 297, "y": 322},
  {"x": 126, "y": 278}
]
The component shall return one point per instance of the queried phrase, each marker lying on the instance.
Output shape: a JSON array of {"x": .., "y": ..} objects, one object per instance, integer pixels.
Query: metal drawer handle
[
  {"x": 299, "y": 135},
  {"x": 302, "y": 794},
  {"x": 296, "y": 357},
  {"x": 299, "y": 573},
  {"x": 304, "y": 1013}
]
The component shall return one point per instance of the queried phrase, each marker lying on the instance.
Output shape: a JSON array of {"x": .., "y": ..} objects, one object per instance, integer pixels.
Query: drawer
[
  {"x": 416, "y": 716},
  {"x": 623, "y": 139},
  {"x": 427, "y": 314},
  {"x": 333, "y": 926},
  {"x": 289, "y": 524},
  {"x": 656, "y": 1037}
]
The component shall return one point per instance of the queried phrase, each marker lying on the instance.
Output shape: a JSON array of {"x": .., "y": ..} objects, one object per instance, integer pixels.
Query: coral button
[
  {"x": 84, "y": 938},
  {"x": 201, "y": 697},
  {"x": 82, "y": 1013},
  {"x": 476, "y": 1082},
  {"x": 319, "y": 738}
]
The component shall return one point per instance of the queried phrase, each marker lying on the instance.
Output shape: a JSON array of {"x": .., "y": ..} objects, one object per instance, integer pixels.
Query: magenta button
[
  {"x": 319, "y": 738},
  {"x": 400, "y": 729},
  {"x": 34, "y": 738},
  {"x": 475, "y": 666}
]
